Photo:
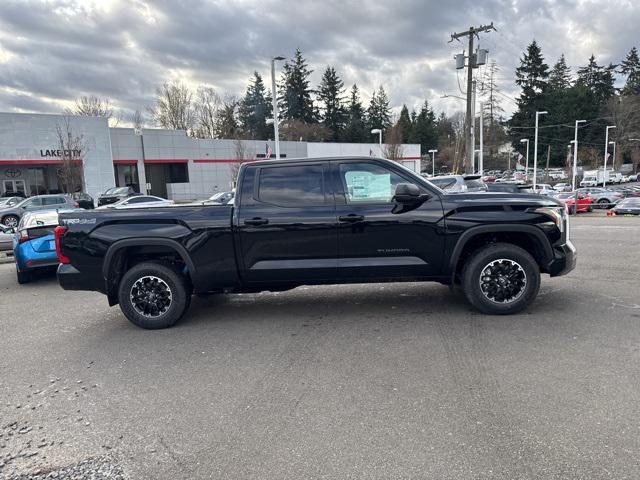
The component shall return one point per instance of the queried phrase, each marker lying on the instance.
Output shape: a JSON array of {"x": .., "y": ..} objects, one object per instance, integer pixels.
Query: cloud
[{"x": 53, "y": 51}]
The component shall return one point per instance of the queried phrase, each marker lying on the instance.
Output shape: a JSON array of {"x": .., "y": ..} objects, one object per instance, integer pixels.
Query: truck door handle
[
  {"x": 351, "y": 218},
  {"x": 256, "y": 221}
]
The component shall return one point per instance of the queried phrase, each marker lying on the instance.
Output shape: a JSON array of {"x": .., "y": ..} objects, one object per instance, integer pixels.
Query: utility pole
[
  {"x": 473, "y": 31},
  {"x": 473, "y": 126},
  {"x": 481, "y": 157}
]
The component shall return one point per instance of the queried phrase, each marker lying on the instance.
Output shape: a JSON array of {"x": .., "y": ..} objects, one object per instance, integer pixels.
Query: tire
[
  {"x": 11, "y": 221},
  {"x": 170, "y": 295},
  {"x": 515, "y": 265},
  {"x": 603, "y": 203},
  {"x": 23, "y": 277}
]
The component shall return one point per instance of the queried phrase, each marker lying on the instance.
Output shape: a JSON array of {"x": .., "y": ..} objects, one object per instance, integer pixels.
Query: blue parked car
[{"x": 34, "y": 246}]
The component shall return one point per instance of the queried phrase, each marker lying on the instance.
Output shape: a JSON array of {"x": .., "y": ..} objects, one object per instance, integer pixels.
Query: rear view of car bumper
[{"x": 564, "y": 259}]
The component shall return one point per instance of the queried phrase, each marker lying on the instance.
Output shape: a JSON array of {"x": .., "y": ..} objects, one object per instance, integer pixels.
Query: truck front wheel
[
  {"x": 501, "y": 279},
  {"x": 153, "y": 296}
]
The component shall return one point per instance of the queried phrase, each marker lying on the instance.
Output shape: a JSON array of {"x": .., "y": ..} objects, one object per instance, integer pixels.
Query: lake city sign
[{"x": 61, "y": 153}]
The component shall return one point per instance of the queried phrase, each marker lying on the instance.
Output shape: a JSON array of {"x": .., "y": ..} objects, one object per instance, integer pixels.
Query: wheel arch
[
  {"x": 116, "y": 259},
  {"x": 529, "y": 237}
]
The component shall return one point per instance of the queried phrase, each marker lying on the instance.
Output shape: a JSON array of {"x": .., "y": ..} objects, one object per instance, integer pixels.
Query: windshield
[{"x": 117, "y": 191}]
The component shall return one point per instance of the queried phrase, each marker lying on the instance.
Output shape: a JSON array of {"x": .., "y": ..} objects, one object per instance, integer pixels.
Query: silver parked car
[
  {"x": 10, "y": 216},
  {"x": 6, "y": 238},
  {"x": 459, "y": 183},
  {"x": 140, "y": 201}
]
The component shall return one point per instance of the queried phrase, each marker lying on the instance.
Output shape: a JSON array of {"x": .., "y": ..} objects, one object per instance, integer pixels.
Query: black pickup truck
[{"x": 317, "y": 221}]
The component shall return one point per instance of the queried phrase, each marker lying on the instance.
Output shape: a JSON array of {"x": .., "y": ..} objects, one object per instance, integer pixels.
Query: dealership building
[{"x": 167, "y": 163}]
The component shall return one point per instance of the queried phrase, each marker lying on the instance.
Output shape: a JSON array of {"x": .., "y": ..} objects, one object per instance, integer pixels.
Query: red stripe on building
[
  {"x": 222, "y": 160},
  {"x": 166, "y": 160},
  {"x": 18, "y": 162},
  {"x": 125, "y": 162}
]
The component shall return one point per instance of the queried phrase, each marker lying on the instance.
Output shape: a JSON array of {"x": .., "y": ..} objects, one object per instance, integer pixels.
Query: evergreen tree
[
  {"x": 598, "y": 79},
  {"x": 254, "y": 109},
  {"x": 425, "y": 131},
  {"x": 560, "y": 76},
  {"x": 630, "y": 67},
  {"x": 404, "y": 124},
  {"x": 330, "y": 93},
  {"x": 295, "y": 94},
  {"x": 379, "y": 113},
  {"x": 531, "y": 76},
  {"x": 355, "y": 129}
]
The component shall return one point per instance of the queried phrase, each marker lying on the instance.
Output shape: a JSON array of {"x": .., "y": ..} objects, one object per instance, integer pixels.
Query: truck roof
[{"x": 273, "y": 161}]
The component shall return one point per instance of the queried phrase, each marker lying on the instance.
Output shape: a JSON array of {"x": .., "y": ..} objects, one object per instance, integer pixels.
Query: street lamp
[
  {"x": 274, "y": 99},
  {"x": 473, "y": 165},
  {"x": 379, "y": 132},
  {"x": 613, "y": 162},
  {"x": 526, "y": 165},
  {"x": 606, "y": 153},
  {"x": 433, "y": 162},
  {"x": 535, "y": 151},
  {"x": 575, "y": 154}
]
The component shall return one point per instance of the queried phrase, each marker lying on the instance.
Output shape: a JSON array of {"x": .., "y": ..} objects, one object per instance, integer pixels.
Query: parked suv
[
  {"x": 116, "y": 194},
  {"x": 10, "y": 216},
  {"x": 459, "y": 183}
]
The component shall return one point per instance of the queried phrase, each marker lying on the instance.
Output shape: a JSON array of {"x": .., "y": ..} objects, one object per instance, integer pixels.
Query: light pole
[
  {"x": 575, "y": 154},
  {"x": 526, "y": 164},
  {"x": 276, "y": 134},
  {"x": 379, "y": 132},
  {"x": 606, "y": 153},
  {"x": 613, "y": 162},
  {"x": 433, "y": 162},
  {"x": 535, "y": 151}
]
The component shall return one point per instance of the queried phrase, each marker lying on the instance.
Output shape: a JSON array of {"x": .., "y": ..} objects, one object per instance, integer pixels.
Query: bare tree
[
  {"x": 207, "y": 107},
  {"x": 138, "y": 120},
  {"x": 173, "y": 107},
  {"x": 626, "y": 116},
  {"x": 393, "y": 143},
  {"x": 297, "y": 130},
  {"x": 92, "y": 106},
  {"x": 242, "y": 155},
  {"x": 72, "y": 150}
]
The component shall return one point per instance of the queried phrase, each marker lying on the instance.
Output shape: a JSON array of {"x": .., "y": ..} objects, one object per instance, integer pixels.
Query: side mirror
[{"x": 406, "y": 193}]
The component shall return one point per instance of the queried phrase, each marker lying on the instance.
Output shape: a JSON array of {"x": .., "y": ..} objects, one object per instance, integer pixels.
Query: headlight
[{"x": 557, "y": 214}]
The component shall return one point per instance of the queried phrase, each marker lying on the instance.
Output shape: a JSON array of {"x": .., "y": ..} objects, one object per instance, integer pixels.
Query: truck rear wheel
[
  {"x": 153, "y": 296},
  {"x": 501, "y": 279}
]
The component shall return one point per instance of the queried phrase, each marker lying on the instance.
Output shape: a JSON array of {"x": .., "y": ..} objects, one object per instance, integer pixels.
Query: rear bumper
[
  {"x": 564, "y": 259},
  {"x": 70, "y": 278}
]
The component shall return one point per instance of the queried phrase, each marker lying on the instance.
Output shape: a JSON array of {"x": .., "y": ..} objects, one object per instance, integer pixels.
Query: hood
[{"x": 474, "y": 199}]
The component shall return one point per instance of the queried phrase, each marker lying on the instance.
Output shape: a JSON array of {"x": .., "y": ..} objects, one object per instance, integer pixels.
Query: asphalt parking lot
[{"x": 364, "y": 381}]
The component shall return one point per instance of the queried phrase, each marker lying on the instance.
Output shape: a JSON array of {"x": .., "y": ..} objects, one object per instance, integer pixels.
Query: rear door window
[
  {"x": 292, "y": 186},
  {"x": 52, "y": 201}
]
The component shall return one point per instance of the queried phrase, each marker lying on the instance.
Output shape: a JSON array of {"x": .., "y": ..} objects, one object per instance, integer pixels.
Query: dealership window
[
  {"x": 177, "y": 173},
  {"x": 291, "y": 186}
]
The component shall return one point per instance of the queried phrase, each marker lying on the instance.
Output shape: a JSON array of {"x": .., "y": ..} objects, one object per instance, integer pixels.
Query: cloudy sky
[{"x": 53, "y": 51}]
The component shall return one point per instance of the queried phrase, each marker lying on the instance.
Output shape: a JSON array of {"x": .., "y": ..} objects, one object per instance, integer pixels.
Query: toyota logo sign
[{"x": 12, "y": 173}]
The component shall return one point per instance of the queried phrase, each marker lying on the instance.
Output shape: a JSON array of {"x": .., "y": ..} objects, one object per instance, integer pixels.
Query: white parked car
[
  {"x": 544, "y": 189},
  {"x": 140, "y": 201},
  {"x": 562, "y": 187}
]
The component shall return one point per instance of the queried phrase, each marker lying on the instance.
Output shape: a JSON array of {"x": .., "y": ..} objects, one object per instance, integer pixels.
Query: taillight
[
  {"x": 58, "y": 233},
  {"x": 24, "y": 236},
  {"x": 76, "y": 205}
]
